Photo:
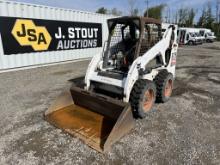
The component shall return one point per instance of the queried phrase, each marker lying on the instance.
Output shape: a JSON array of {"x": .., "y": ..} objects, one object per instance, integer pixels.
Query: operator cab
[
  {"x": 129, "y": 38},
  {"x": 124, "y": 35}
]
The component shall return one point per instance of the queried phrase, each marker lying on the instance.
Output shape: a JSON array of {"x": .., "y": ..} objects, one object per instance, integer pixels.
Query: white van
[
  {"x": 198, "y": 35},
  {"x": 187, "y": 36},
  {"x": 207, "y": 34}
]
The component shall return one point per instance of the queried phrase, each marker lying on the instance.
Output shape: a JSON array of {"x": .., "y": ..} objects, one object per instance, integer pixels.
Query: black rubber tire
[
  {"x": 161, "y": 80},
  {"x": 138, "y": 95},
  {"x": 209, "y": 41},
  {"x": 191, "y": 43}
]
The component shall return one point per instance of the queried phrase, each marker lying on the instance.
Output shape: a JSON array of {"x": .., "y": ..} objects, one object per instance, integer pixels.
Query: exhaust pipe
[{"x": 97, "y": 120}]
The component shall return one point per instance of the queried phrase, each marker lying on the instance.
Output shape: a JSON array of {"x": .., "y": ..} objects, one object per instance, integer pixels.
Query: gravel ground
[{"x": 186, "y": 130}]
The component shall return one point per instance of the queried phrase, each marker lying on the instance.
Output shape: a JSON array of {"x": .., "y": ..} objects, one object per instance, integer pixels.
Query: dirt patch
[
  {"x": 62, "y": 72},
  {"x": 198, "y": 56},
  {"x": 214, "y": 47}
]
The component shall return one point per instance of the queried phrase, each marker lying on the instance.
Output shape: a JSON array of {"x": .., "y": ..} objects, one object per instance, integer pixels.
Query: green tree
[
  {"x": 216, "y": 30},
  {"x": 202, "y": 19},
  {"x": 155, "y": 12},
  {"x": 190, "y": 17},
  {"x": 183, "y": 14},
  {"x": 217, "y": 24},
  {"x": 209, "y": 17},
  {"x": 186, "y": 17},
  {"x": 206, "y": 20},
  {"x": 102, "y": 10}
]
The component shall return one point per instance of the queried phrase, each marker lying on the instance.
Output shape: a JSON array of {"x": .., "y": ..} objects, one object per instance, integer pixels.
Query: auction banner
[{"x": 23, "y": 35}]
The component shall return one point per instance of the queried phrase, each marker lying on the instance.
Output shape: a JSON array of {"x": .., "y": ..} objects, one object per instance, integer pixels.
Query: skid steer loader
[{"x": 135, "y": 69}]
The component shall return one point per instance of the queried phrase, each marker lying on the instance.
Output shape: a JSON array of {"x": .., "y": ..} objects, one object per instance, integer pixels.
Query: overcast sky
[{"x": 92, "y": 5}]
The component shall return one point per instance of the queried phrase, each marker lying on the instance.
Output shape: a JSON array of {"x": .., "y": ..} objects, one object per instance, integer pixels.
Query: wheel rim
[
  {"x": 148, "y": 100},
  {"x": 168, "y": 88}
]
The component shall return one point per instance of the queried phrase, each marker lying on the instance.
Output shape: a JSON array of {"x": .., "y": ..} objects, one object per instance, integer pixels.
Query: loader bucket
[{"x": 96, "y": 120}]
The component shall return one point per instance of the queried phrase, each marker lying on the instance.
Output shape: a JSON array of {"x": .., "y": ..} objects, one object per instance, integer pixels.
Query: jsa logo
[{"x": 27, "y": 34}]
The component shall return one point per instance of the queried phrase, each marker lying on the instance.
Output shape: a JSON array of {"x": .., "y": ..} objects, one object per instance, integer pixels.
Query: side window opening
[
  {"x": 156, "y": 62},
  {"x": 172, "y": 39},
  {"x": 167, "y": 56},
  {"x": 152, "y": 35},
  {"x": 173, "y": 36},
  {"x": 123, "y": 41}
]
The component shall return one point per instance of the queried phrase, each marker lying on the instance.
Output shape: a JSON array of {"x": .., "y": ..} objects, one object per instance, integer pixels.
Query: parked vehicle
[
  {"x": 199, "y": 38},
  {"x": 198, "y": 35},
  {"x": 187, "y": 36},
  {"x": 207, "y": 34},
  {"x": 136, "y": 67}
]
